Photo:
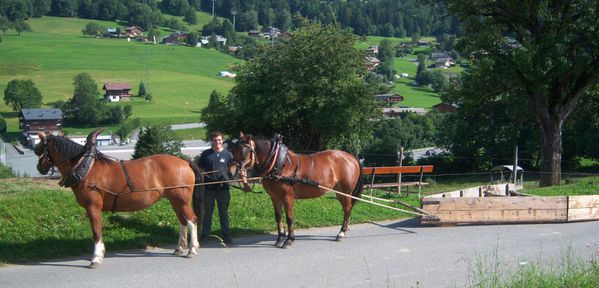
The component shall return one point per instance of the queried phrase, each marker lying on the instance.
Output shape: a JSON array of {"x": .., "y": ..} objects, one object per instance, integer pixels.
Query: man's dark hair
[{"x": 216, "y": 134}]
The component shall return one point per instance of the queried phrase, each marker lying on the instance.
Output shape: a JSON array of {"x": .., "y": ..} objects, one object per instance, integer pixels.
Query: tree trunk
[{"x": 551, "y": 153}]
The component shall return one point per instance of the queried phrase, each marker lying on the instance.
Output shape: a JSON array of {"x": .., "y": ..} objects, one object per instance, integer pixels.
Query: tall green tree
[
  {"x": 549, "y": 50},
  {"x": 218, "y": 113},
  {"x": 21, "y": 94},
  {"x": 386, "y": 55},
  {"x": 5, "y": 24},
  {"x": 142, "y": 89},
  {"x": 2, "y": 125},
  {"x": 93, "y": 29},
  {"x": 190, "y": 17},
  {"x": 160, "y": 139},
  {"x": 21, "y": 26},
  {"x": 85, "y": 107},
  {"x": 309, "y": 88}
]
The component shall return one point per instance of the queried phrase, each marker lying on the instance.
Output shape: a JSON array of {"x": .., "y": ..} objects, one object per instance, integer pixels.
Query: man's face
[{"x": 217, "y": 143}]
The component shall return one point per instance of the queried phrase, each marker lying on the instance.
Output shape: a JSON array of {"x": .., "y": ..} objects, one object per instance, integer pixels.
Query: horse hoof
[
  {"x": 191, "y": 254},
  {"x": 279, "y": 243},
  {"x": 94, "y": 265},
  {"x": 339, "y": 238},
  {"x": 288, "y": 243},
  {"x": 178, "y": 252}
]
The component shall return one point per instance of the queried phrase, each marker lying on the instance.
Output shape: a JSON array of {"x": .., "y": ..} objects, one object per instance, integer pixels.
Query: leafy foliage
[
  {"x": 21, "y": 94},
  {"x": 546, "y": 52},
  {"x": 159, "y": 139},
  {"x": 83, "y": 106},
  {"x": 142, "y": 89},
  {"x": 5, "y": 171},
  {"x": 309, "y": 88},
  {"x": 2, "y": 125},
  {"x": 93, "y": 29}
]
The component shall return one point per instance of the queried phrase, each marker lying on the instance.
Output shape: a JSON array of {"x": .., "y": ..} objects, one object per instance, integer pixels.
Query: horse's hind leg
[
  {"x": 182, "y": 245},
  {"x": 346, "y": 203},
  {"x": 186, "y": 218}
]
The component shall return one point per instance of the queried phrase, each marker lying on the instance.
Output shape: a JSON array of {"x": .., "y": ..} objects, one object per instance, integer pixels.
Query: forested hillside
[{"x": 399, "y": 18}]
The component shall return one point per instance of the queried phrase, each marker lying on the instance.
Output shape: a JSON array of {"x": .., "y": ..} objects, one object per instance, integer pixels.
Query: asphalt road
[{"x": 387, "y": 254}]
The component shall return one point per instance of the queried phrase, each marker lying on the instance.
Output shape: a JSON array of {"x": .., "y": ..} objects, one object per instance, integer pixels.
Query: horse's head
[
  {"x": 42, "y": 150},
  {"x": 59, "y": 151},
  {"x": 244, "y": 155}
]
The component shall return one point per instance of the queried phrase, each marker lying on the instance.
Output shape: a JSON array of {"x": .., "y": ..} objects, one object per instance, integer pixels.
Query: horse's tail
[
  {"x": 198, "y": 193},
  {"x": 359, "y": 185}
]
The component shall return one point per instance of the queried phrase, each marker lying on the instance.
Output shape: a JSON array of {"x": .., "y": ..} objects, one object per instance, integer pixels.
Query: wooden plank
[
  {"x": 498, "y": 216},
  {"x": 583, "y": 208},
  {"x": 584, "y": 201},
  {"x": 487, "y": 190},
  {"x": 386, "y": 185},
  {"x": 396, "y": 169},
  {"x": 495, "y": 203}
]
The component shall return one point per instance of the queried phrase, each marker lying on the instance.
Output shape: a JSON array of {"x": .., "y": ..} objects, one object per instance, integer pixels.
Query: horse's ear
[
  {"x": 241, "y": 134},
  {"x": 42, "y": 136},
  {"x": 91, "y": 138}
]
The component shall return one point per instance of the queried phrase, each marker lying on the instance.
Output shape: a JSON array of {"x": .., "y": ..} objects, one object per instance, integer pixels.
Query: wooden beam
[{"x": 397, "y": 169}]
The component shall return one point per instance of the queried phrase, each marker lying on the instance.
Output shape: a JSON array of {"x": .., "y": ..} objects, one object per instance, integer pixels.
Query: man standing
[{"x": 215, "y": 163}]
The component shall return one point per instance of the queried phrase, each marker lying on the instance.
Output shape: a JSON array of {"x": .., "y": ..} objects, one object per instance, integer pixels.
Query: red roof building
[{"x": 117, "y": 91}]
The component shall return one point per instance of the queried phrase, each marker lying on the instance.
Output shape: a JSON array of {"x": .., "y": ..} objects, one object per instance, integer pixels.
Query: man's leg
[
  {"x": 209, "y": 195},
  {"x": 223, "y": 199}
]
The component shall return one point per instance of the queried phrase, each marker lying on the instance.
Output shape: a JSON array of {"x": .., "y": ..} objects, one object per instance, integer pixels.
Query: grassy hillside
[
  {"x": 414, "y": 96},
  {"x": 180, "y": 78}
]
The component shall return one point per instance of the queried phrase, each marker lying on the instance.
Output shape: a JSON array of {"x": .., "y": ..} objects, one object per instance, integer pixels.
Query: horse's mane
[{"x": 70, "y": 149}]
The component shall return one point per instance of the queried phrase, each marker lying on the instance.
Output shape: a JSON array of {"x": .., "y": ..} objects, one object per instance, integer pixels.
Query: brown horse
[
  {"x": 288, "y": 176},
  {"x": 108, "y": 185}
]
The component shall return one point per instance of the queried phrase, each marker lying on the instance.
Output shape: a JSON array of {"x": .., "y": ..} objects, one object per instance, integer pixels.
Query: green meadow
[{"x": 179, "y": 78}]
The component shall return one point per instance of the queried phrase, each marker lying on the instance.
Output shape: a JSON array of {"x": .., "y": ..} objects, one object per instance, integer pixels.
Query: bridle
[
  {"x": 44, "y": 157},
  {"x": 248, "y": 154}
]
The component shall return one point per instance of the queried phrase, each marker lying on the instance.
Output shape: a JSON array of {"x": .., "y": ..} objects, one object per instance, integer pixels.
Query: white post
[{"x": 515, "y": 168}]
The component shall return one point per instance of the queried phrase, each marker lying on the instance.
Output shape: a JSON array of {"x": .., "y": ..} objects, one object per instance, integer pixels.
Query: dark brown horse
[
  {"x": 288, "y": 176},
  {"x": 102, "y": 184}
]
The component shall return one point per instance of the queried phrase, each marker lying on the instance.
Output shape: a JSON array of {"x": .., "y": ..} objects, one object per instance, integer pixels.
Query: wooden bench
[{"x": 396, "y": 170}]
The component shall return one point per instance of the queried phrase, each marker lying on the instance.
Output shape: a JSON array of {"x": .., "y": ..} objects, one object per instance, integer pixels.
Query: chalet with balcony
[
  {"x": 117, "y": 92},
  {"x": 34, "y": 120}
]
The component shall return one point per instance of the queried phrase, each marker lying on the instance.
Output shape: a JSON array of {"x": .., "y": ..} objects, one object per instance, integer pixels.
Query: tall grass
[{"x": 572, "y": 271}]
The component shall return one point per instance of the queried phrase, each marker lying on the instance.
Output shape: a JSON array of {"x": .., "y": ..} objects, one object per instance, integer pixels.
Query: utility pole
[
  {"x": 234, "y": 12},
  {"x": 213, "y": 8}
]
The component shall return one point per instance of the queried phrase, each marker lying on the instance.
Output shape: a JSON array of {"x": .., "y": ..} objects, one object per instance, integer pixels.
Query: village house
[
  {"x": 374, "y": 49},
  {"x": 219, "y": 38},
  {"x": 134, "y": 32},
  {"x": 34, "y": 120},
  {"x": 370, "y": 63},
  {"x": 255, "y": 33},
  {"x": 117, "y": 92},
  {"x": 445, "y": 107},
  {"x": 389, "y": 98},
  {"x": 175, "y": 38}
]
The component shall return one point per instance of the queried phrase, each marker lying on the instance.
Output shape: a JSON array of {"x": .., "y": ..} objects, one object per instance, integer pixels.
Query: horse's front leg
[
  {"x": 279, "y": 219},
  {"x": 95, "y": 218}
]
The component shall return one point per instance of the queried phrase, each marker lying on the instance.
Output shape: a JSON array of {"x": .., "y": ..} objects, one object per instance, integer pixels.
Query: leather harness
[{"x": 275, "y": 161}]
